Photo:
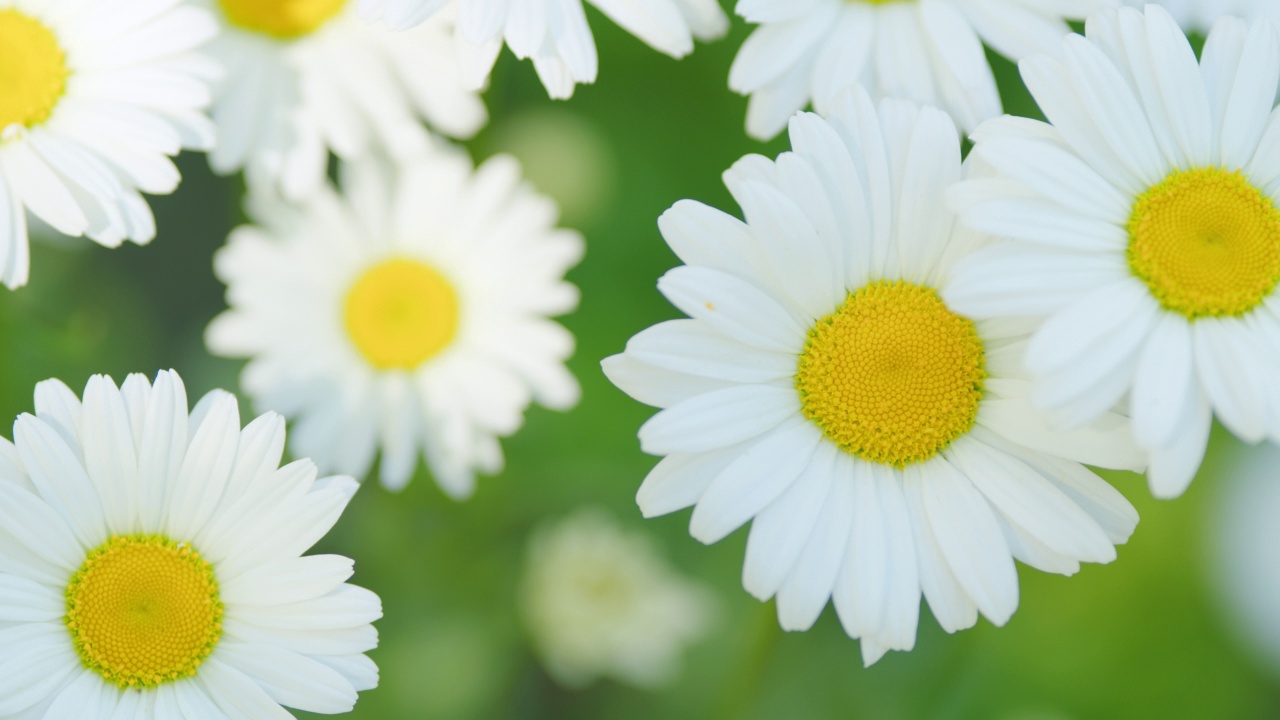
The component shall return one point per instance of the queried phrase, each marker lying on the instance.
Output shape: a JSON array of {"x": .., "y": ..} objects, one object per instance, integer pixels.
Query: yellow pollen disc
[
  {"x": 1206, "y": 242},
  {"x": 892, "y": 376},
  {"x": 284, "y": 19},
  {"x": 33, "y": 70},
  {"x": 400, "y": 313},
  {"x": 143, "y": 610}
]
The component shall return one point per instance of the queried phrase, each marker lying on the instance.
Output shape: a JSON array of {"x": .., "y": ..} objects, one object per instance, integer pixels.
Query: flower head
[
  {"x": 93, "y": 103},
  {"x": 302, "y": 79},
  {"x": 927, "y": 51},
  {"x": 1143, "y": 227},
  {"x": 882, "y": 443},
  {"x": 409, "y": 313},
  {"x": 152, "y": 558}
]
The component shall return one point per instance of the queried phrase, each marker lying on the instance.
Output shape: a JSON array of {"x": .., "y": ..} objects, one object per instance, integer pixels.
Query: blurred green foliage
[{"x": 1136, "y": 639}]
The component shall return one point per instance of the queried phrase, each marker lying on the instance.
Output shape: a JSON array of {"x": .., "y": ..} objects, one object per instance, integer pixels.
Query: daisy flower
[
  {"x": 408, "y": 314},
  {"x": 599, "y": 601},
  {"x": 305, "y": 78},
  {"x": 1144, "y": 228},
  {"x": 554, "y": 33},
  {"x": 929, "y": 51},
  {"x": 1199, "y": 15},
  {"x": 882, "y": 443},
  {"x": 92, "y": 105},
  {"x": 1243, "y": 535},
  {"x": 152, "y": 563}
]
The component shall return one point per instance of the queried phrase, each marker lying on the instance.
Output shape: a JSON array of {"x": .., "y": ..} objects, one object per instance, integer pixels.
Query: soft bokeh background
[{"x": 1141, "y": 638}]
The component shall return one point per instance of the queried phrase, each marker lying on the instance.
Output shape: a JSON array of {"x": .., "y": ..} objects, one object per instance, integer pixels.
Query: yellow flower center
[
  {"x": 892, "y": 376},
  {"x": 1206, "y": 242},
  {"x": 33, "y": 70},
  {"x": 400, "y": 313},
  {"x": 284, "y": 19},
  {"x": 143, "y": 610}
]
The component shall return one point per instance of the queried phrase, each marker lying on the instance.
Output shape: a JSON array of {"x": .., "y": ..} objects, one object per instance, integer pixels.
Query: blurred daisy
[
  {"x": 1199, "y": 15},
  {"x": 151, "y": 563},
  {"x": 599, "y": 601},
  {"x": 883, "y": 444},
  {"x": 410, "y": 314},
  {"x": 304, "y": 78},
  {"x": 1244, "y": 534},
  {"x": 554, "y": 33},
  {"x": 1145, "y": 229},
  {"x": 92, "y": 104},
  {"x": 929, "y": 51}
]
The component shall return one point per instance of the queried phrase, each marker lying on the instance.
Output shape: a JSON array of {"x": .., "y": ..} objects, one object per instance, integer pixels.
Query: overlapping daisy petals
[
  {"x": 859, "y": 198},
  {"x": 1128, "y": 105},
  {"x": 130, "y": 460}
]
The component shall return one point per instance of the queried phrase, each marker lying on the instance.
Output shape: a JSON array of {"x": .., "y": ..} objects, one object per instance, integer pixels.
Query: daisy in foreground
[
  {"x": 554, "y": 33},
  {"x": 409, "y": 314},
  {"x": 599, "y": 601},
  {"x": 304, "y": 78},
  {"x": 1145, "y": 228},
  {"x": 151, "y": 564},
  {"x": 92, "y": 104},
  {"x": 929, "y": 51},
  {"x": 883, "y": 443}
]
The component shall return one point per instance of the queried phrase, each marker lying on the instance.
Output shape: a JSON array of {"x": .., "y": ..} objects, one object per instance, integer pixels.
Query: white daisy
[
  {"x": 410, "y": 315},
  {"x": 304, "y": 78},
  {"x": 883, "y": 444},
  {"x": 602, "y": 602},
  {"x": 1145, "y": 229},
  {"x": 93, "y": 102},
  {"x": 151, "y": 563},
  {"x": 1199, "y": 15},
  {"x": 929, "y": 51},
  {"x": 554, "y": 33},
  {"x": 1243, "y": 538}
]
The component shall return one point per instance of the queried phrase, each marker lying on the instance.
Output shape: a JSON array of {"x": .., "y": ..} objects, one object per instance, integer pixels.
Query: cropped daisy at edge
[
  {"x": 882, "y": 445},
  {"x": 1143, "y": 223},
  {"x": 94, "y": 100},
  {"x": 554, "y": 34},
  {"x": 927, "y": 51},
  {"x": 410, "y": 313},
  {"x": 151, "y": 563},
  {"x": 306, "y": 78}
]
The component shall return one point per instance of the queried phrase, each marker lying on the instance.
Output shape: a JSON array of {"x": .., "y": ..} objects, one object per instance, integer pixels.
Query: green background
[{"x": 1141, "y": 638}]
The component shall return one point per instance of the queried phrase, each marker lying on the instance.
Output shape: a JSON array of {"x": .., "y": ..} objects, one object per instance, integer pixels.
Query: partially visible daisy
[
  {"x": 882, "y": 444},
  {"x": 1145, "y": 227},
  {"x": 1200, "y": 15},
  {"x": 305, "y": 78},
  {"x": 599, "y": 601},
  {"x": 410, "y": 313},
  {"x": 1244, "y": 535},
  {"x": 152, "y": 563},
  {"x": 928, "y": 51},
  {"x": 554, "y": 33},
  {"x": 93, "y": 102}
]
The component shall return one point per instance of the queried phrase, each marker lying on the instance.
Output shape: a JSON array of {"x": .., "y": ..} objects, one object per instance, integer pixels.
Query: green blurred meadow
[{"x": 1140, "y": 638}]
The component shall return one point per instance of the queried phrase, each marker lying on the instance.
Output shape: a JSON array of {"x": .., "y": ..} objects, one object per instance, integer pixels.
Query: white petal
[
  {"x": 718, "y": 419},
  {"x": 754, "y": 479}
]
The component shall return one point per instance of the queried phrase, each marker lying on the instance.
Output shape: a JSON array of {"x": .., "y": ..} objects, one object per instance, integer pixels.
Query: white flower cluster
[{"x": 899, "y": 366}]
